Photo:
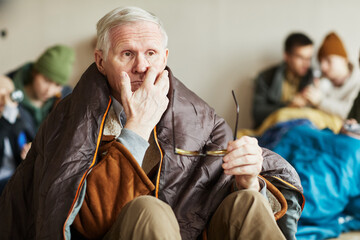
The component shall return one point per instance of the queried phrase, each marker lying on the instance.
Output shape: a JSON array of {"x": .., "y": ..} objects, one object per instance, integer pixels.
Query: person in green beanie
[{"x": 43, "y": 83}]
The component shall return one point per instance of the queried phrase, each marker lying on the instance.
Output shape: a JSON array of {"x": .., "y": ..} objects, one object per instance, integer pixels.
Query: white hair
[{"x": 120, "y": 16}]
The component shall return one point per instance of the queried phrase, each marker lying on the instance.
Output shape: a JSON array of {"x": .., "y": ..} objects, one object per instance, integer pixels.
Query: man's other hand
[{"x": 244, "y": 161}]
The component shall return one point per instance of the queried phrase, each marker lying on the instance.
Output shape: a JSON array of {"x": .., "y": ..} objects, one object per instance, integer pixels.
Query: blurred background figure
[
  {"x": 43, "y": 83},
  {"x": 12, "y": 135},
  {"x": 281, "y": 85},
  {"x": 336, "y": 91},
  {"x": 355, "y": 110}
]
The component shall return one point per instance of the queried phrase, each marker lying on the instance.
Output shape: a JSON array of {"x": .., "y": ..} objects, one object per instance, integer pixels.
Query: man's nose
[{"x": 141, "y": 64}]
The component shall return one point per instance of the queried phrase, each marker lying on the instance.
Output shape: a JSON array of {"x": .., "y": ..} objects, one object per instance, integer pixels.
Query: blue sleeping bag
[{"x": 329, "y": 169}]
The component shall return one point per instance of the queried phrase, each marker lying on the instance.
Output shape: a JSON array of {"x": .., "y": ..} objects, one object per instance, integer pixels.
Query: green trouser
[{"x": 243, "y": 214}]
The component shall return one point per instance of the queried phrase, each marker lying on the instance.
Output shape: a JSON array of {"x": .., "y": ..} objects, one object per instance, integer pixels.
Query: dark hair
[{"x": 296, "y": 40}]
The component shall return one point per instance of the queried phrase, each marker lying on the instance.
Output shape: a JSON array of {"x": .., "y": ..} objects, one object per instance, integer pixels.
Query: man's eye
[
  {"x": 151, "y": 53},
  {"x": 127, "y": 54}
]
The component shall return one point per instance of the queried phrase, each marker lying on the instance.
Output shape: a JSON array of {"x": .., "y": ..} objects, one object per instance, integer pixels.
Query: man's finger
[
  {"x": 240, "y": 142},
  {"x": 244, "y": 150},
  {"x": 125, "y": 88},
  {"x": 150, "y": 77},
  {"x": 242, "y": 161},
  {"x": 163, "y": 81}
]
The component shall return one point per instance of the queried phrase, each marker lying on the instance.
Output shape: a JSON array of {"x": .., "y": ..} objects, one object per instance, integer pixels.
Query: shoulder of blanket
[{"x": 182, "y": 92}]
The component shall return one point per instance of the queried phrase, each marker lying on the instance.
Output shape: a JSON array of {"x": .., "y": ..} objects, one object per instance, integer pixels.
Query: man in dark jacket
[
  {"x": 106, "y": 162},
  {"x": 281, "y": 85}
]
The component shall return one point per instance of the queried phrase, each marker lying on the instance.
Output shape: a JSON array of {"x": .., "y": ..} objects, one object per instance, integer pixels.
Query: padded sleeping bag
[{"x": 329, "y": 168}]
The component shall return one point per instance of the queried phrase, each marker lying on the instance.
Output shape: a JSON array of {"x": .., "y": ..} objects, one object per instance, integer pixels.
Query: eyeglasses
[{"x": 215, "y": 153}]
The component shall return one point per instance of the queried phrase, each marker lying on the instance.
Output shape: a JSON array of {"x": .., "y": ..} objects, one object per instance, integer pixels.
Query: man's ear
[
  {"x": 166, "y": 57},
  {"x": 99, "y": 60}
]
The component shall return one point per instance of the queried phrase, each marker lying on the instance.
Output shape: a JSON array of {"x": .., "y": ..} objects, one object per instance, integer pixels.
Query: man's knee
[
  {"x": 245, "y": 198},
  {"x": 150, "y": 206},
  {"x": 143, "y": 202},
  {"x": 244, "y": 214},
  {"x": 145, "y": 217}
]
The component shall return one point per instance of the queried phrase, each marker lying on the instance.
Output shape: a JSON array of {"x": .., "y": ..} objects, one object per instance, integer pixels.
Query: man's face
[
  {"x": 134, "y": 48},
  {"x": 44, "y": 88},
  {"x": 333, "y": 67},
  {"x": 299, "y": 60}
]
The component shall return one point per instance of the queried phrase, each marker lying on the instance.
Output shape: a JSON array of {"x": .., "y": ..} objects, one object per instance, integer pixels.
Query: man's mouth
[{"x": 135, "y": 85}]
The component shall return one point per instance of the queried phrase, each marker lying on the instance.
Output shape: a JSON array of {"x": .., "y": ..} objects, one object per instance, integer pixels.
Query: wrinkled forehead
[{"x": 140, "y": 31}]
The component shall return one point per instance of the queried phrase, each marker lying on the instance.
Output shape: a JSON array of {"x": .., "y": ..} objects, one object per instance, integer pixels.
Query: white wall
[{"x": 215, "y": 45}]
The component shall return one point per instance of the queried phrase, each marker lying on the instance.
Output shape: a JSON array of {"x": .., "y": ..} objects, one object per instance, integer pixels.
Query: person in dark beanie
[
  {"x": 281, "y": 85},
  {"x": 340, "y": 82},
  {"x": 43, "y": 83}
]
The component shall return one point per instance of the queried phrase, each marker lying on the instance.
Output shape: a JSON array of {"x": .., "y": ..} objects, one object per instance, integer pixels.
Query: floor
[{"x": 348, "y": 236}]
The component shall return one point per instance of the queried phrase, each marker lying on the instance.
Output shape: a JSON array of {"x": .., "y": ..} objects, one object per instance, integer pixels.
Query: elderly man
[
  {"x": 104, "y": 164},
  {"x": 282, "y": 85}
]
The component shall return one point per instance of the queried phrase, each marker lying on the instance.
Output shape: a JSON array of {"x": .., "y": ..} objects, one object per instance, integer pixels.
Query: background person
[
  {"x": 12, "y": 135},
  {"x": 355, "y": 109},
  {"x": 281, "y": 85},
  {"x": 336, "y": 91},
  {"x": 43, "y": 83}
]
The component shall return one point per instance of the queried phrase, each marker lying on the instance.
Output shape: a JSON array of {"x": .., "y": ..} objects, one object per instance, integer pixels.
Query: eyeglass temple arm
[
  {"x": 237, "y": 114},
  {"x": 172, "y": 112}
]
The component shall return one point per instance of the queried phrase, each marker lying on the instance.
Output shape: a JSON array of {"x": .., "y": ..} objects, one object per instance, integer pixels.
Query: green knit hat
[{"x": 56, "y": 63}]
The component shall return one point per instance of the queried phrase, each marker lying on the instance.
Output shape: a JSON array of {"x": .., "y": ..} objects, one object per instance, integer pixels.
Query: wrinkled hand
[
  {"x": 244, "y": 161},
  {"x": 145, "y": 106},
  {"x": 313, "y": 95}
]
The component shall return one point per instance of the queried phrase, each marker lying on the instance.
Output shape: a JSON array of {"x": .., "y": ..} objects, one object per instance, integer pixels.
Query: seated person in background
[
  {"x": 355, "y": 110},
  {"x": 12, "y": 136},
  {"x": 335, "y": 93},
  {"x": 42, "y": 83},
  {"x": 281, "y": 85},
  {"x": 104, "y": 163}
]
